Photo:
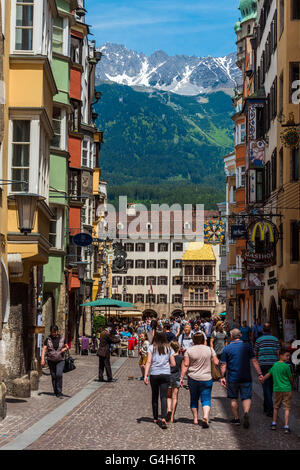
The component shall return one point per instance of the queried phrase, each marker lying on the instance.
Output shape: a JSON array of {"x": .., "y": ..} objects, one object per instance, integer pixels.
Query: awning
[{"x": 106, "y": 302}]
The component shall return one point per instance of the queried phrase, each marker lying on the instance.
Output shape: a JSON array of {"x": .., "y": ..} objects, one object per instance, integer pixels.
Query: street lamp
[{"x": 26, "y": 210}]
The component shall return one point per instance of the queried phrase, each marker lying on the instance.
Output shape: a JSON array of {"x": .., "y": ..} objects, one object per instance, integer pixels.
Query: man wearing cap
[{"x": 106, "y": 340}]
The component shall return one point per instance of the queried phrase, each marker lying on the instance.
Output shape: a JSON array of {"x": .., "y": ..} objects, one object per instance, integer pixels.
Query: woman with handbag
[
  {"x": 199, "y": 363},
  {"x": 56, "y": 348}
]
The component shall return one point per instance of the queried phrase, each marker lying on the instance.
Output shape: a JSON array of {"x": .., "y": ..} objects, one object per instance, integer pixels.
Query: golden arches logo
[{"x": 263, "y": 227}]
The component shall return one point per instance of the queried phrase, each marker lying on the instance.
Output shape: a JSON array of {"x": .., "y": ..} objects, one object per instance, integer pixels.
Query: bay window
[
  {"x": 56, "y": 141},
  {"x": 56, "y": 228},
  {"x": 87, "y": 153}
]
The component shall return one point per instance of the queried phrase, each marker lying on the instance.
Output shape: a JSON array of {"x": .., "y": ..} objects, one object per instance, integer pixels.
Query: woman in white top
[
  {"x": 197, "y": 363},
  {"x": 160, "y": 359}
]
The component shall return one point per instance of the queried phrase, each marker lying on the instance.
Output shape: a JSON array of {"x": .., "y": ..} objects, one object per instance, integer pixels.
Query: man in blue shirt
[
  {"x": 246, "y": 331},
  {"x": 236, "y": 359},
  {"x": 267, "y": 349},
  {"x": 257, "y": 330}
]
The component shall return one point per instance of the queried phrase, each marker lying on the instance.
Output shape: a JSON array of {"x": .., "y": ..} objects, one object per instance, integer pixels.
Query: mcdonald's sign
[{"x": 263, "y": 227}]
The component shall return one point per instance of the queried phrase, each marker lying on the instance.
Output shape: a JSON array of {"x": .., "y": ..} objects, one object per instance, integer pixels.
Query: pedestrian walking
[
  {"x": 197, "y": 329},
  {"x": 175, "y": 327},
  {"x": 282, "y": 387},
  {"x": 174, "y": 382},
  {"x": 207, "y": 330},
  {"x": 169, "y": 335},
  {"x": 218, "y": 339},
  {"x": 55, "y": 346},
  {"x": 257, "y": 330},
  {"x": 246, "y": 332},
  {"x": 160, "y": 359},
  {"x": 185, "y": 339},
  {"x": 106, "y": 339},
  {"x": 236, "y": 359},
  {"x": 197, "y": 364},
  {"x": 267, "y": 349},
  {"x": 144, "y": 344}
]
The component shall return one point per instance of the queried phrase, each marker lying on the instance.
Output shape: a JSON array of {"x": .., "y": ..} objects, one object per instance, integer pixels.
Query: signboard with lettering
[
  {"x": 238, "y": 231},
  {"x": 82, "y": 239}
]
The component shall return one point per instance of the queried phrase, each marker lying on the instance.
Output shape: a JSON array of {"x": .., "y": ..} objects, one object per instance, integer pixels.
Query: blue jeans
[
  {"x": 268, "y": 390},
  {"x": 200, "y": 389}
]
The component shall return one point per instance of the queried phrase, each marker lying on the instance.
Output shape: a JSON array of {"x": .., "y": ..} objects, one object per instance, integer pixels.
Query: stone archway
[
  {"x": 177, "y": 313},
  {"x": 149, "y": 313},
  {"x": 274, "y": 320}
]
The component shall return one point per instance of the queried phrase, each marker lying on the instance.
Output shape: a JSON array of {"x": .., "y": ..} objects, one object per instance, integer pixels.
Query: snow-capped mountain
[{"x": 180, "y": 74}]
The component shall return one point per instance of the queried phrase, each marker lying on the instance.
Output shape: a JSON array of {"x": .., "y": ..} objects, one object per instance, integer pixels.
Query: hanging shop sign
[
  {"x": 290, "y": 138},
  {"x": 253, "y": 281},
  {"x": 82, "y": 239},
  {"x": 214, "y": 232},
  {"x": 238, "y": 231},
  {"x": 119, "y": 262},
  {"x": 260, "y": 228},
  {"x": 258, "y": 260}
]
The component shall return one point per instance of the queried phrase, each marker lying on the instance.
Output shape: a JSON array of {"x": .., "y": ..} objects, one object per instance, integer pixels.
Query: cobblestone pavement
[
  {"x": 119, "y": 417},
  {"x": 23, "y": 413}
]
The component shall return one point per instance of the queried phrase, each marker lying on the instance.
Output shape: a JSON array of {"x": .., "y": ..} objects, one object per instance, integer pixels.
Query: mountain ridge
[{"x": 179, "y": 74}]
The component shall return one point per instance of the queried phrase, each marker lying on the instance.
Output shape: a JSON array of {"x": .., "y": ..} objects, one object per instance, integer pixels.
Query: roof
[{"x": 198, "y": 251}]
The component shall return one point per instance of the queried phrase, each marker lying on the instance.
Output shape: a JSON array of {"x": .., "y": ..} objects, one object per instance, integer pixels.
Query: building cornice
[
  {"x": 31, "y": 238},
  {"x": 66, "y": 58},
  {"x": 61, "y": 153}
]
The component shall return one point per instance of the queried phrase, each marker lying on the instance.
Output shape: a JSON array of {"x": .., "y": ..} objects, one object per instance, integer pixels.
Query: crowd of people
[{"x": 201, "y": 351}]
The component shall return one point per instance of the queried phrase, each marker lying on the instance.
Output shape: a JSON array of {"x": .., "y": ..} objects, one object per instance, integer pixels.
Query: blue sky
[{"x": 191, "y": 27}]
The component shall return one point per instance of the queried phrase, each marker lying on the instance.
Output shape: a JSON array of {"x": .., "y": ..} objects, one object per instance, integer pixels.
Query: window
[
  {"x": 74, "y": 183},
  {"x": 140, "y": 264},
  {"x": 188, "y": 270},
  {"x": 129, "y": 247},
  {"x": 20, "y": 155},
  {"x": 151, "y": 280},
  {"x": 128, "y": 281},
  {"x": 117, "y": 296},
  {"x": 56, "y": 228},
  {"x": 223, "y": 279},
  {"x": 162, "y": 263},
  {"x": 152, "y": 247},
  {"x": 117, "y": 281},
  {"x": 140, "y": 247},
  {"x": 139, "y": 281},
  {"x": 128, "y": 298},
  {"x": 87, "y": 152},
  {"x": 295, "y": 252},
  {"x": 75, "y": 117},
  {"x": 198, "y": 270},
  {"x": 58, "y": 35},
  {"x": 177, "y": 280},
  {"x": 139, "y": 298},
  {"x": 177, "y": 246},
  {"x": 295, "y": 164},
  {"x": 24, "y": 25},
  {"x": 177, "y": 263},
  {"x": 294, "y": 76},
  {"x": 150, "y": 299},
  {"x": 151, "y": 263},
  {"x": 76, "y": 50},
  {"x": 177, "y": 299},
  {"x": 259, "y": 186},
  {"x": 267, "y": 180},
  {"x": 281, "y": 244},
  {"x": 295, "y": 8},
  {"x": 163, "y": 247},
  {"x": 208, "y": 270},
  {"x": 87, "y": 212},
  {"x": 56, "y": 141},
  {"x": 129, "y": 264},
  {"x": 239, "y": 134},
  {"x": 162, "y": 299},
  {"x": 223, "y": 250},
  {"x": 162, "y": 281}
]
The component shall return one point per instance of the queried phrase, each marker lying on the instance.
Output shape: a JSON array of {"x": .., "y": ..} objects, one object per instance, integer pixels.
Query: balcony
[
  {"x": 199, "y": 303},
  {"x": 199, "y": 279}
]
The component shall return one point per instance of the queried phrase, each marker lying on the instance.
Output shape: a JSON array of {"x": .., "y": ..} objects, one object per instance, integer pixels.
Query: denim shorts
[
  {"x": 234, "y": 388},
  {"x": 200, "y": 389}
]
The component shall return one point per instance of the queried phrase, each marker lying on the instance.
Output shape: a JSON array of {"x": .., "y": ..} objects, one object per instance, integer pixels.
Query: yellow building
[
  {"x": 288, "y": 174},
  {"x": 199, "y": 280},
  {"x": 29, "y": 91}
]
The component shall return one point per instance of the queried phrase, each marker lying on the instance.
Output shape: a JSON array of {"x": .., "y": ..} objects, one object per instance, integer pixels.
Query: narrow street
[{"x": 118, "y": 417}]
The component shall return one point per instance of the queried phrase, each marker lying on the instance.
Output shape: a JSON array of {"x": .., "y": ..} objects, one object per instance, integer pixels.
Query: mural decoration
[
  {"x": 214, "y": 232},
  {"x": 257, "y": 153}
]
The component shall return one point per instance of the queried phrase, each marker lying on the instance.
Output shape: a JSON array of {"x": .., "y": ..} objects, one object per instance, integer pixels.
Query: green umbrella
[{"x": 223, "y": 313}]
